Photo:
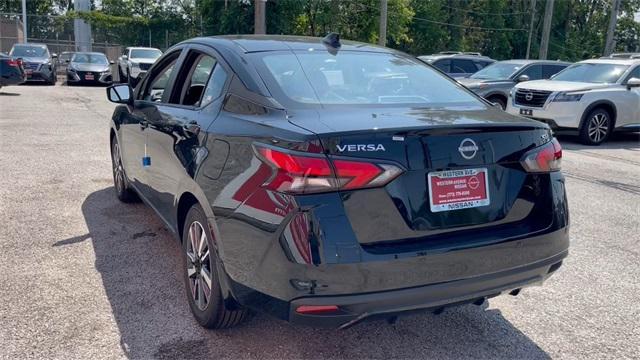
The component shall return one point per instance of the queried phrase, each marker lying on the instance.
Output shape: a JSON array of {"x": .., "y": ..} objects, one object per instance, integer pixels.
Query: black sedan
[
  {"x": 328, "y": 182},
  {"x": 11, "y": 71},
  {"x": 89, "y": 68}
]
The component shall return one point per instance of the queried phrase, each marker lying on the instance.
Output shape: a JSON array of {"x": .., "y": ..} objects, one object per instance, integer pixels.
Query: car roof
[
  {"x": 456, "y": 56},
  {"x": 30, "y": 44},
  {"x": 89, "y": 53},
  {"x": 534, "y": 61},
  {"x": 611, "y": 61},
  {"x": 142, "y": 48},
  {"x": 261, "y": 43}
]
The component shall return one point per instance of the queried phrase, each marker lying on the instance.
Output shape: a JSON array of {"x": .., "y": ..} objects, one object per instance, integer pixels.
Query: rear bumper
[{"x": 355, "y": 308}]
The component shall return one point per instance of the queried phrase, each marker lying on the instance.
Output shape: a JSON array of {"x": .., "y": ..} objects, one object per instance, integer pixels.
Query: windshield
[
  {"x": 90, "y": 59},
  {"x": 145, "y": 53},
  {"x": 497, "y": 71},
  {"x": 592, "y": 73},
  {"x": 29, "y": 51},
  {"x": 360, "y": 78}
]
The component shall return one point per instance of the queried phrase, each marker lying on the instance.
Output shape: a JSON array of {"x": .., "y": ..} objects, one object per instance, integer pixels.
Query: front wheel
[
  {"x": 120, "y": 182},
  {"x": 596, "y": 128},
  {"x": 201, "y": 275}
]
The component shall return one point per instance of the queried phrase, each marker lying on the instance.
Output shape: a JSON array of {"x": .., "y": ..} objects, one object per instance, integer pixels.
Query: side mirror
[
  {"x": 54, "y": 55},
  {"x": 124, "y": 57},
  {"x": 523, "y": 78},
  {"x": 633, "y": 83},
  {"x": 120, "y": 94},
  {"x": 111, "y": 62}
]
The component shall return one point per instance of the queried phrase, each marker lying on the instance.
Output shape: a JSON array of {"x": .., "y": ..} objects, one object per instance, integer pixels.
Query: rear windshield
[
  {"x": 351, "y": 78},
  {"x": 29, "y": 51},
  {"x": 592, "y": 73},
  {"x": 90, "y": 59}
]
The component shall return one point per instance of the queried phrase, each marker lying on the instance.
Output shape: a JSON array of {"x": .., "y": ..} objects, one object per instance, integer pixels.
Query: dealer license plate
[
  {"x": 458, "y": 189},
  {"x": 526, "y": 112},
  {"x": 88, "y": 77}
]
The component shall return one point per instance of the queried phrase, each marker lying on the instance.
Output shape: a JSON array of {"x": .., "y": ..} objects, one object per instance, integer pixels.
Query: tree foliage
[{"x": 497, "y": 28}]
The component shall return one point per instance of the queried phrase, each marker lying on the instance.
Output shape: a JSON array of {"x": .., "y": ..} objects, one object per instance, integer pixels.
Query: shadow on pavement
[
  {"x": 8, "y": 94},
  {"x": 139, "y": 262},
  {"x": 619, "y": 140}
]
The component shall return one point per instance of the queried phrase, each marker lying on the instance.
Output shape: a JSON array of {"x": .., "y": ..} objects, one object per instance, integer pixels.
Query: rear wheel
[
  {"x": 596, "y": 127},
  {"x": 120, "y": 181},
  {"x": 201, "y": 275}
]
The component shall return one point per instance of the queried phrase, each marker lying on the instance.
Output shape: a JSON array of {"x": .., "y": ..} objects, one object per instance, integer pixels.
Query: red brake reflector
[{"x": 316, "y": 309}]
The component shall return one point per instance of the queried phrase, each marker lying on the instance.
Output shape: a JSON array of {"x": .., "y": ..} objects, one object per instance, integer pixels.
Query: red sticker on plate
[{"x": 458, "y": 189}]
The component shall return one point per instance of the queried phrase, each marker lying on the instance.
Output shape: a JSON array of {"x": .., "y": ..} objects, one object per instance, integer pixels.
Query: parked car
[
  {"x": 592, "y": 98},
  {"x": 11, "y": 71},
  {"x": 458, "y": 64},
  {"x": 325, "y": 182},
  {"x": 89, "y": 68},
  {"x": 627, "y": 55},
  {"x": 39, "y": 64},
  {"x": 135, "y": 62},
  {"x": 63, "y": 61},
  {"x": 496, "y": 80}
]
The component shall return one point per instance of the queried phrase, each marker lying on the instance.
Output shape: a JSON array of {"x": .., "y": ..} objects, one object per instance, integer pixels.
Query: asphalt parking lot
[{"x": 84, "y": 276}]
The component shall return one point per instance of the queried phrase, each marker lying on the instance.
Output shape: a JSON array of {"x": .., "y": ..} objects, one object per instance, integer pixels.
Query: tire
[
  {"x": 120, "y": 181},
  {"x": 210, "y": 311},
  {"x": 498, "y": 100},
  {"x": 596, "y": 127}
]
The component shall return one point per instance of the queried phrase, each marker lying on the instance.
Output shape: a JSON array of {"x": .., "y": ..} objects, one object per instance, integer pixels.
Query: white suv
[
  {"x": 135, "y": 62},
  {"x": 591, "y": 98}
]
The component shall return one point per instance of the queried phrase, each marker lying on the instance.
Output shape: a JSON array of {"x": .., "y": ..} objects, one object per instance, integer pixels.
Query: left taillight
[
  {"x": 303, "y": 173},
  {"x": 15, "y": 63},
  {"x": 545, "y": 158}
]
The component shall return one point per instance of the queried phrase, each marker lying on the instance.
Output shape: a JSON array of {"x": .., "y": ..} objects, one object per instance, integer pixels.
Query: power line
[
  {"x": 457, "y": 25},
  {"x": 486, "y": 13},
  {"x": 468, "y": 26}
]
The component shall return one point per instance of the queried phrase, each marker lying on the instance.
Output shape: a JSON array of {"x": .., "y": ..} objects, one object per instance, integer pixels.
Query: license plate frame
[
  {"x": 89, "y": 77},
  {"x": 458, "y": 189},
  {"x": 526, "y": 112}
]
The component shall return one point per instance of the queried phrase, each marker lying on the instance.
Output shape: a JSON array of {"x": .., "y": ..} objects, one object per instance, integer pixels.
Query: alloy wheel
[
  {"x": 118, "y": 170},
  {"x": 199, "y": 265},
  {"x": 598, "y": 127}
]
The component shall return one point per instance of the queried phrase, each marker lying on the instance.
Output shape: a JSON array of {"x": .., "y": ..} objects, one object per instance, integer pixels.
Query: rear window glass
[{"x": 360, "y": 78}]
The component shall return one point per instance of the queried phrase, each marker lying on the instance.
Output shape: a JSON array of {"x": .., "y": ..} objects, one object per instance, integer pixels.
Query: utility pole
[
  {"x": 611, "y": 42},
  {"x": 382, "y": 40},
  {"x": 24, "y": 20},
  {"x": 546, "y": 29},
  {"x": 533, "y": 16},
  {"x": 260, "y": 26}
]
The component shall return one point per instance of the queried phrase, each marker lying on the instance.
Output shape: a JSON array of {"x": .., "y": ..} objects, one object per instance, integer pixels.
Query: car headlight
[{"x": 567, "y": 97}]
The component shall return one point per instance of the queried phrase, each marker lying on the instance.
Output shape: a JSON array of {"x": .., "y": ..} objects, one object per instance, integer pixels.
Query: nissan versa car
[
  {"x": 89, "y": 68},
  {"x": 11, "y": 71},
  {"x": 328, "y": 182},
  {"x": 592, "y": 98},
  {"x": 39, "y": 64}
]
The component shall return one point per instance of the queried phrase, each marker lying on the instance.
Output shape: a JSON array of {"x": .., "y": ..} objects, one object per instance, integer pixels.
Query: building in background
[{"x": 10, "y": 32}]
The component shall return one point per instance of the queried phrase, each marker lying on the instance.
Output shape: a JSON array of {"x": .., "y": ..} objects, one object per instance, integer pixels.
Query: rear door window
[
  {"x": 534, "y": 72},
  {"x": 443, "y": 65},
  {"x": 463, "y": 66},
  {"x": 549, "y": 70}
]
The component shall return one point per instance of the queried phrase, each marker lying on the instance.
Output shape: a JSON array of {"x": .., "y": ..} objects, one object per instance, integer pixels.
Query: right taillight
[
  {"x": 14, "y": 63},
  {"x": 545, "y": 158},
  {"x": 302, "y": 173}
]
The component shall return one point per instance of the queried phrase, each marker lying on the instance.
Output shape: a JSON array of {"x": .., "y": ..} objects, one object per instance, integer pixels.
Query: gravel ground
[{"x": 84, "y": 276}]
